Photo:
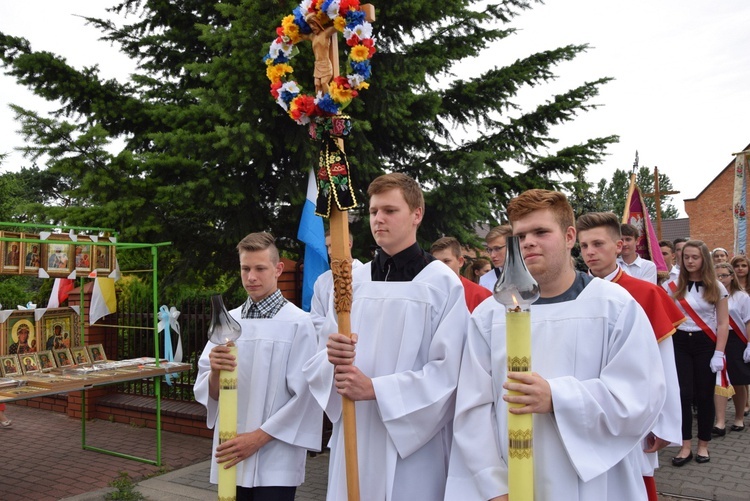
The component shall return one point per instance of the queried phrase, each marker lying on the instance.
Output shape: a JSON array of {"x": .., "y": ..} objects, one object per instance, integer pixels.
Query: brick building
[{"x": 710, "y": 212}]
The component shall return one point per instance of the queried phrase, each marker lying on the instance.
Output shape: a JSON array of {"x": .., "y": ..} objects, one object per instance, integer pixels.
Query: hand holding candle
[
  {"x": 225, "y": 330},
  {"x": 516, "y": 289}
]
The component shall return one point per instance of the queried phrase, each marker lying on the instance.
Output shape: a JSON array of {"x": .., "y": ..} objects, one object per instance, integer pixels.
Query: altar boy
[
  {"x": 401, "y": 366},
  {"x": 277, "y": 419},
  {"x": 593, "y": 392}
]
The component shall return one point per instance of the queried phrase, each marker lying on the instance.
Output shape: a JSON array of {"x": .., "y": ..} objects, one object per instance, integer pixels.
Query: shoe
[
  {"x": 682, "y": 461},
  {"x": 6, "y": 423},
  {"x": 719, "y": 432},
  {"x": 702, "y": 459},
  {"x": 735, "y": 427}
]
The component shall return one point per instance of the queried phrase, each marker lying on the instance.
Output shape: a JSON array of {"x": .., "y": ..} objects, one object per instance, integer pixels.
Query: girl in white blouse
[{"x": 699, "y": 344}]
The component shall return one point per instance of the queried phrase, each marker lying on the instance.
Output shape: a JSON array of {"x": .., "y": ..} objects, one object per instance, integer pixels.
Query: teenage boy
[
  {"x": 668, "y": 253},
  {"x": 448, "y": 250},
  {"x": 496, "y": 248},
  {"x": 599, "y": 238},
  {"x": 277, "y": 418},
  {"x": 594, "y": 392},
  {"x": 633, "y": 264},
  {"x": 401, "y": 366}
]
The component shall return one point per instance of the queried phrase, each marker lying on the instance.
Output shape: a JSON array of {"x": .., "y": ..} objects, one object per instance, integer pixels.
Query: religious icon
[
  {"x": 83, "y": 254},
  {"x": 46, "y": 360},
  {"x": 58, "y": 329},
  {"x": 102, "y": 258},
  {"x": 80, "y": 356},
  {"x": 63, "y": 357},
  {"x": 29, "y": 363},
  {"x": 32, "y": 255},
  {"x": 10, "y": 365},
  {"x": 21, "y": 334},
  {"x": 56, "y": 259},
  {"x": 10, "y": 260},
  {"x": 96, "y": 352}
]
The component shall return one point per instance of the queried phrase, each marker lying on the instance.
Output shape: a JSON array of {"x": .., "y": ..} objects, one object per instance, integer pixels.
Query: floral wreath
[{"x": 347, "y": 18}]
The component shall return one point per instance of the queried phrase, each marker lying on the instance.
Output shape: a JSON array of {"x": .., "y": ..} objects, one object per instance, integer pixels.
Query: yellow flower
[
  {"x": 291, "y": 29},
  {"x": 339, "y": 23},
  {"x": 360, "y": 53},
  {"x": 277, "y": 71},
  {"x": 339, "y": 94},
  {"x": 363, "y": 85}
]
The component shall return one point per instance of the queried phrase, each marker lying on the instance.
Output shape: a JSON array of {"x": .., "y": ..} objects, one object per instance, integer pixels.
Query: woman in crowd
[
  {"x": 720, "y": 255},
  {"x": 476, "y": 268},
  {"x": 741, "y": 266},
  {"x": 699, "y": 344},
  {"x": 737, "y": 351}
]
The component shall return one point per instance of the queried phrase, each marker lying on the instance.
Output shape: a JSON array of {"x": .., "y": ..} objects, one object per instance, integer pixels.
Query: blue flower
[
  {"x": 353, "y": 18},
  {"x": 362, "y": 68},
  {"x": 287, "y": 96},
  {"x": 326, "y": 104},
  {"x": 299, "y": 19}
]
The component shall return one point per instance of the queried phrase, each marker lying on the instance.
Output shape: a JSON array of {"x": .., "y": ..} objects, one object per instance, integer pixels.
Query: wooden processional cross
[
  {"x": 656, "y": 195},
  {"x": 341, "y": 267}
]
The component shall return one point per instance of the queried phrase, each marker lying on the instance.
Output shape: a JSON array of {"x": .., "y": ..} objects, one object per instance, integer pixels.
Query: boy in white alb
[
  {"x": 409, "y": 316},
  {"x": 277, "y": 418},
  {"x": 593, "y": 392}
]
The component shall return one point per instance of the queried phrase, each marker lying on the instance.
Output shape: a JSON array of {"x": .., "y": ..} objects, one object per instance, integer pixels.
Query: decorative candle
[
  {"x": 225, "y": 330},
  {"x": 516, "y": 289}
]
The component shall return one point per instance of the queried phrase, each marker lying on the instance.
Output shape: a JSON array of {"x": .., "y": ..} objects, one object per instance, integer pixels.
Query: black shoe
[
  {"x": 682, "y": 461},
  {"x": 702, "y": 459},
  {"x": 735, "y": 427},
  {"x": 719, "y": 432}
]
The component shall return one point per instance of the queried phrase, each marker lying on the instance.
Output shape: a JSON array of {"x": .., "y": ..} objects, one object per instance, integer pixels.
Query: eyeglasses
[
  {"x": 724, "y": 275},
  {"x": 495, "y": 249}
]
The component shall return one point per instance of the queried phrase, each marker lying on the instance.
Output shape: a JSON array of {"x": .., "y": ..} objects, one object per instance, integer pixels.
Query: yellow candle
[
  {"x": 520, "y": 427},
  {"x": 228, "y": 428}
]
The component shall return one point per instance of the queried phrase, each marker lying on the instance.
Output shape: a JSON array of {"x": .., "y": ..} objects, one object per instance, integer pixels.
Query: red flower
[
  {"x": 354, "y": 40},
  {"x": 280, "y": 31},
  {"x": 338, "y": 170},
  {"x": 322, "y": 174},
  {"x": 275, "y": 89}
]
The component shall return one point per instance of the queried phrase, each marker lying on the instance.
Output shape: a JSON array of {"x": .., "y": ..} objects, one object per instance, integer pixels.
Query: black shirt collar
[{"x": 402, "y": 267}]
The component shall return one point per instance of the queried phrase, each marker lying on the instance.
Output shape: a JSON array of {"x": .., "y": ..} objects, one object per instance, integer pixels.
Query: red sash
[
  {"x": 694, "y": 316},
  {"x": 736, "y": 328}
]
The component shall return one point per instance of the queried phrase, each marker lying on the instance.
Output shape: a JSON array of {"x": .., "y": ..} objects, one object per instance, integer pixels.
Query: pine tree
[{"x": 208, "y": 156}]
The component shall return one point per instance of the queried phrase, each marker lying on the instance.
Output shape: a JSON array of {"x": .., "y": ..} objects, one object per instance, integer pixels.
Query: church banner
[
  {"x": 636, "y": 213},
  {"x": 739, "y": 203}
]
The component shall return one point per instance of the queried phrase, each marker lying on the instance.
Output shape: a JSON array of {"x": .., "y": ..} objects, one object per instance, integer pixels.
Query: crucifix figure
[{"x": 321, "y": 40}]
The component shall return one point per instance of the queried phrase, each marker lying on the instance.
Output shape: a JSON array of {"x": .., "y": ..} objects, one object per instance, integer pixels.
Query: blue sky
[{"x": 681, "y": 94}]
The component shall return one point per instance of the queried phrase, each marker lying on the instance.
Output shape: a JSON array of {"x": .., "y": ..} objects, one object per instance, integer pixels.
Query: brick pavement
[{"x": 44, "y": 461}]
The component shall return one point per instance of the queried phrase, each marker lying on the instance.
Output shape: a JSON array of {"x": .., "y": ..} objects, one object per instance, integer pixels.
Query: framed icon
[
  {"x": 10, "y": 365},
  {"x": 56, "y": 256},
  {"x": 103, "y": 258},
  {"x": 96, "y": 353},
  {"x": 59, "y": 328},
  {"x": 21, "y": 333},
  {"x": 63, "y": 357},
  {"x": 31, "y": 255},
  {"x": 80, "y": 356},
  {"x": 83, "y": 254},
  {"x": 46, "y": 360},
  {"x": 11, "y": 254},
  {"x": 29, "y": 363}
]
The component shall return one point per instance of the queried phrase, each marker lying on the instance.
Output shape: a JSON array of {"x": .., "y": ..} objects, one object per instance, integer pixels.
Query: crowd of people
[{"x": 622, "y": 356}]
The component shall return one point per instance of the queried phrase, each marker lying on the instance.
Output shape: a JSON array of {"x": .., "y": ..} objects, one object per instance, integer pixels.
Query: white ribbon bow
[{"x": 167, "y": 323}]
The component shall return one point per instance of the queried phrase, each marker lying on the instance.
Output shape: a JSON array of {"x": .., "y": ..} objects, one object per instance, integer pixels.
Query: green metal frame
[{"x": 154, "y": 271}]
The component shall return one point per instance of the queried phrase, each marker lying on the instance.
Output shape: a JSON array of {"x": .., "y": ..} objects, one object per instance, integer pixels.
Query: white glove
[
  {"x": 717, "y": 361},
  {"x": 746, "y": 355}
]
